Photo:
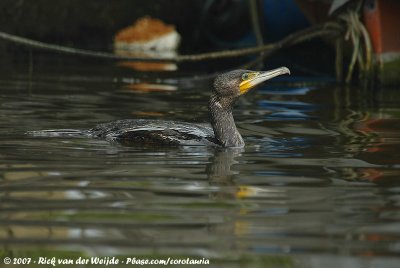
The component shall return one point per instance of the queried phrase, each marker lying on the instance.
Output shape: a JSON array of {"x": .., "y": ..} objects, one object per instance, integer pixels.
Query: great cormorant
[{"x": 227, "y": 88}]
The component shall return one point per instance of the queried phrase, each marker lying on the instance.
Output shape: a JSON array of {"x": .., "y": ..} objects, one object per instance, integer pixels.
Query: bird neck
[{"x": 222, "y": 121}]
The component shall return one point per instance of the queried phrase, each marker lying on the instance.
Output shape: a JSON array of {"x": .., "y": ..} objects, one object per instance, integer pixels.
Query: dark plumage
[{"x": 227, "y": 88}]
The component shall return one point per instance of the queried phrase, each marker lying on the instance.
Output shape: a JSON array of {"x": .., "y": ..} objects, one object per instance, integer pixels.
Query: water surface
[{"x": 316, "y": 186}]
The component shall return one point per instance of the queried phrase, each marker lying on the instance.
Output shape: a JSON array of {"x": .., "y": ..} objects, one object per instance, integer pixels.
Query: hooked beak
[{"x": 256, "y": 78}]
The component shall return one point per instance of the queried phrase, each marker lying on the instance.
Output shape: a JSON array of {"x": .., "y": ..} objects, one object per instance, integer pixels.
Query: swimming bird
[{"x": 227, "y": 88}]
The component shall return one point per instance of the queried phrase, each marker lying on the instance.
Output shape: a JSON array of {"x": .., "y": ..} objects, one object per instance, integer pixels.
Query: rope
[
  {"x": 328, "y": 28},
  {"x": 358, "y": 35}
]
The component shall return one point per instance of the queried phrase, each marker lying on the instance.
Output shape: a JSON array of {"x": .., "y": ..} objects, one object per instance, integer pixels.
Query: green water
[{"x": 316, "y": 186}]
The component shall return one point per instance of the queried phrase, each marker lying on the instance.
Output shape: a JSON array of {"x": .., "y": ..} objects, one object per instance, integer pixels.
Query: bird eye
[{"x": 245, "y": 76}]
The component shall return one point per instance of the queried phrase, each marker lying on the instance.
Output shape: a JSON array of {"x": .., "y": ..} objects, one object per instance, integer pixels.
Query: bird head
[{"x": 238, "y": 82}]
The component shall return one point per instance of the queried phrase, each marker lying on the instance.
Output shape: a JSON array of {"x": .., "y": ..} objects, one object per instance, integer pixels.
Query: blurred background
[{"x": 225, "y": 24}]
